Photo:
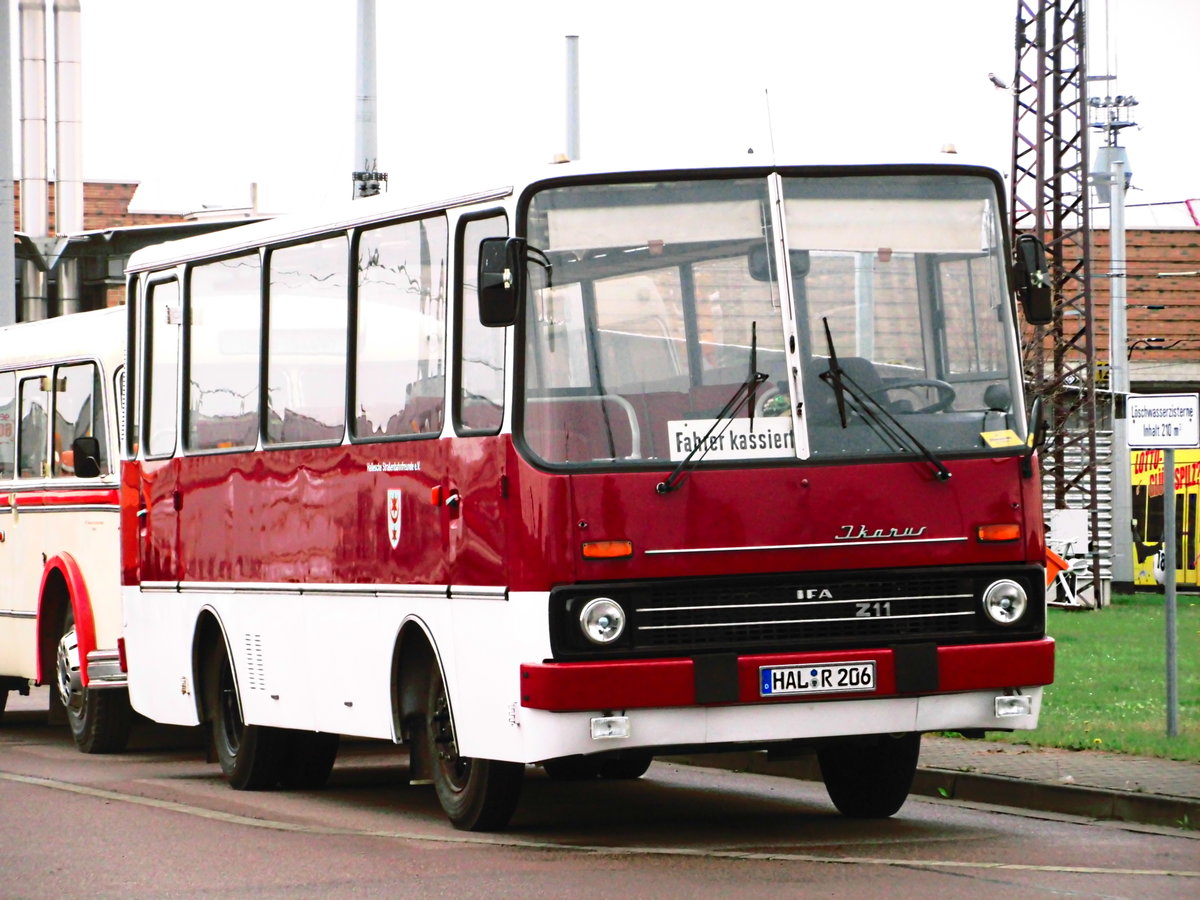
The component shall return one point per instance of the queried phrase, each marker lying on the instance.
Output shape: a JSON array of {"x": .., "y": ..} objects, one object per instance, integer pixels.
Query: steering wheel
[
  {"x": 770, "y": 392},
  {"x": 945, "y": 391}
]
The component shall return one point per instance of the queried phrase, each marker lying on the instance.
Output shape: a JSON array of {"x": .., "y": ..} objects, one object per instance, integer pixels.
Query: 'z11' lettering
[{"x": 873, "y": 608}]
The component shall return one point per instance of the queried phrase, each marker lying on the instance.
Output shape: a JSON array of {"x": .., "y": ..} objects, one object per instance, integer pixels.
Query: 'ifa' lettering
[{"x": 814, "y": 594}]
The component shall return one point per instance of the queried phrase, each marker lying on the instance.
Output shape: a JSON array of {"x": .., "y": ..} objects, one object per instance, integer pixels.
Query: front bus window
[
  {"x": 661, "y": 298},
  {"x": 908, "y": 274},
  {"x": 642, "y": 330}
]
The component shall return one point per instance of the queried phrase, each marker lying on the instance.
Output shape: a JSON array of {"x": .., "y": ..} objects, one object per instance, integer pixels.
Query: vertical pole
[
  {"x": 8, "y": 206},
  {"x": 1118, "y": 374},
  {"x": 1169, "y": 566},
  {"x": 35, "y": 201},
  {"x": 68, "y": 144},
  {"x": 572, "y": 96},
  {"x": 366, "y": 176}
]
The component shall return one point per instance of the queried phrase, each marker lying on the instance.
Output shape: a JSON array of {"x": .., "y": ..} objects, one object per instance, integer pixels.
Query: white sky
[{"x": 196, "y": 100}]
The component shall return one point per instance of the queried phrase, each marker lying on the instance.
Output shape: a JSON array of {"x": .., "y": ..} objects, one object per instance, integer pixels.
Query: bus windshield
[{"x": 663, "y": 299}]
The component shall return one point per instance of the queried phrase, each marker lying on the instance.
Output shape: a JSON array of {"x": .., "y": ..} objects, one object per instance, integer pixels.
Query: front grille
[
  {"x": 783, "y": 613},
  {"x": 674, "y": 617}
]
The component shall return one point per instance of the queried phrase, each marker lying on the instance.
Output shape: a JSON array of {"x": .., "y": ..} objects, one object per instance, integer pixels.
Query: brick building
[
  {"x": 1163, "y": 307},
  {"x": 111, "y": 233}
]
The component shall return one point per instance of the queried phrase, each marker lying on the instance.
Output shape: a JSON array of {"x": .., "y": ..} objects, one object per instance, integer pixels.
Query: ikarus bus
[{"x": 590, "y": 468}]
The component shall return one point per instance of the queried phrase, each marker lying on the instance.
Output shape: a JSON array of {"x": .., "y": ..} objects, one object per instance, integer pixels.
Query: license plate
[{"x": 817, "y": 678}]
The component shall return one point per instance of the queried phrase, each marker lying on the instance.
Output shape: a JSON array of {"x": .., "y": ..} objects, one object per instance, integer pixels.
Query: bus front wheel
[
  {"x": 869, "y": 777},
  {"x": 251, "y": 756},
  {"x": 100, "y": 720},
  {"x": 476, "y": 794}
]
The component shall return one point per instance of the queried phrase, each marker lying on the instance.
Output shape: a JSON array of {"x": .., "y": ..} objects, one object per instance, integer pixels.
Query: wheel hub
[{"x": 70, "y": 678}]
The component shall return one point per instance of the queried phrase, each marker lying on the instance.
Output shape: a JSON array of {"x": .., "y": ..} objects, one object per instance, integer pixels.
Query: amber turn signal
[
  {"x": 1008, "y": 531},
  {"x": 607, "y": 549}
]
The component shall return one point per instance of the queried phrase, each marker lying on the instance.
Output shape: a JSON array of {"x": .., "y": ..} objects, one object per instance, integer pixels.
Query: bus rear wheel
[
  {"x": 308, "y": 758},
  {"x": 100, "y": 720},
  {"x": 476, "y": 794},
  {"x": 251, "y": 756},
  {"x": 869, "y": 777}
]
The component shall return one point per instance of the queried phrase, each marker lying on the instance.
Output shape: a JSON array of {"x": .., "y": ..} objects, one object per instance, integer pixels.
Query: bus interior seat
[{"x": 582, "y": 428}]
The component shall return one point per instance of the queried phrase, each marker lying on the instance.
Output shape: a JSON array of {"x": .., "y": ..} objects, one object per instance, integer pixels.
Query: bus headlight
[
  {"x": 602, "y": 620},
  {"x": 1005, "y": 602}
]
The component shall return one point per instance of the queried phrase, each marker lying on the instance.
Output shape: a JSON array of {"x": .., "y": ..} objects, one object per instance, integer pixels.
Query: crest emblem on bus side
[{"x": 393, "y": 517}]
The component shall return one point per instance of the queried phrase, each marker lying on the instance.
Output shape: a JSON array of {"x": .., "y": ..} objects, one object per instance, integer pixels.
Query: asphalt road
[{"x": 157, "y": 821}]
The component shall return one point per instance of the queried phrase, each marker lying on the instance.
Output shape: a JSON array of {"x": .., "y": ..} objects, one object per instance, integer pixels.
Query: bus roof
[
  {"x": 408, "y": 202},
  {"x": 99, "y": 334}
]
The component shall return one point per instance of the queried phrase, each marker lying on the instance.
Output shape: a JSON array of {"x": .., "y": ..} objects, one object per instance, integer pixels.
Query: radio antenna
[{"x": 770, "y": 123}]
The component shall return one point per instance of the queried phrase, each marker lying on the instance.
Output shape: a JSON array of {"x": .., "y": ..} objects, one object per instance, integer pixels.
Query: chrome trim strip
[
  {"x": 721, "y": 606},
  {"x": 478, "y": 592},
  {"x": 18, "y": 614},
  {"x": 69, "y": 507},
  {"x": 892, "y": 542},
  {"x": 432, "y": 591},
  {"x": 292, "y": 587},
  {"x": 805, "y": 621}
]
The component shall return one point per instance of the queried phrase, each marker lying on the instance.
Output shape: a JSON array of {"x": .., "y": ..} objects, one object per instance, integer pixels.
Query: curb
[{"x": 995, "y": 790}]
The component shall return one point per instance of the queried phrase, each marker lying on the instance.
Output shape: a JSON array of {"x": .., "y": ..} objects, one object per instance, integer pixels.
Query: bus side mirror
[
  {"x": 1037, "y": 424},
  {"x": 86, "y": 451},
  {"x": 501, "y": 270},
  {"x": 1033, "y": 280},
  {"x": 1037, "y": 436}
]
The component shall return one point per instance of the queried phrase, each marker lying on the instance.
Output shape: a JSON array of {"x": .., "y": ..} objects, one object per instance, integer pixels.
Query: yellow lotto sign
[{"x": 1148, "y": 480}]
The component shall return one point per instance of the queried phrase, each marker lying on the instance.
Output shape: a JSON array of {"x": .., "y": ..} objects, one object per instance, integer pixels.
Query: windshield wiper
[
  {"x": 879, "y": 417},
  {"x": 746, "y": 391},
  {"x": 834, "y": 375}
]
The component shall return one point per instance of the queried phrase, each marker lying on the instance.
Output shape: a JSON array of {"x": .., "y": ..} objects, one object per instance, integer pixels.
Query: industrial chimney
[
  {"x": 35, "y": 201},
  {"x": 68, "y": 143}
]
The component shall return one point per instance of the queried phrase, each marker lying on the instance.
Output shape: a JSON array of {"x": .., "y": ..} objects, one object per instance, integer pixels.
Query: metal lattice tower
[{"x": 1050, "y": 199}]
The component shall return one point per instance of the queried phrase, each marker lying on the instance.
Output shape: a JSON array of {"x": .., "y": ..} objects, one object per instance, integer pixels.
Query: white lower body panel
[{"x": 550, "y": 734}]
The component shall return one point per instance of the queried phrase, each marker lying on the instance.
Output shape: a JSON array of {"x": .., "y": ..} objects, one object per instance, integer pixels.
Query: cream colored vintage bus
[{"x": 61, "y": 381}]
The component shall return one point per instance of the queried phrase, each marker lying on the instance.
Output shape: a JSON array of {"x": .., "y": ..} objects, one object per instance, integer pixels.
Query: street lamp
[{"x": 1111, "y": 177}]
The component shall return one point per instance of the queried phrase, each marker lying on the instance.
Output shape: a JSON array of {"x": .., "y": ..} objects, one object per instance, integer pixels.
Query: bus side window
[
  {"x": 8, "y": 425},
  {"x": 162, "y": 372},
  {"x": 78, "y": 412},
  {"x": 223, "y": 337},
  {"x": 400, "y": 376},
  {"x": 306, "y": 342},
  {"x": 31, "y": 433},
  {"x": 480, "y": 398}
]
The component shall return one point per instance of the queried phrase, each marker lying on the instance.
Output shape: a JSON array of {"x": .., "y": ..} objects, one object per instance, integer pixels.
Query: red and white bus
[
  {"x": 61, "y": 391},
  {"x": 574, "y": 473}
]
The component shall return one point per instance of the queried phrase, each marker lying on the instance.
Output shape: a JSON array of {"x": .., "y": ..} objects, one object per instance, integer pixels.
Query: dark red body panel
[
  {"x": 320, "y": 515},
  {"x": 720, "y": 510}
]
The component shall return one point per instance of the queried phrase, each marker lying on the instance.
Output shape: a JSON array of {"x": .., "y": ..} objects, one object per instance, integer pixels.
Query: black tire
[
  {"x": 3, "y": 702},
  {"x": 476, "y": 794},
  {"x": 308, "y": 758},
  {"x": 573, "y": 768},
  {"x": 626, "y": 768},
  {"x": 251, "y": 756},
  {"x": 869, "y": 777},
  {"x": 100, "y": 720}
]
